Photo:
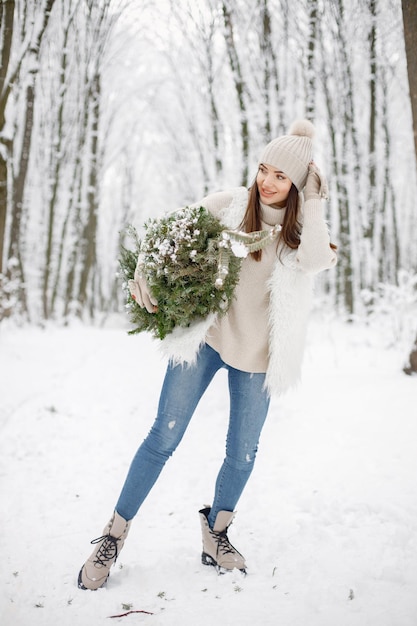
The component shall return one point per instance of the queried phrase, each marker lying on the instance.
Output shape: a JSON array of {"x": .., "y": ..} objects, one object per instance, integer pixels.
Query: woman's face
[{"x": 273, "y": 185}]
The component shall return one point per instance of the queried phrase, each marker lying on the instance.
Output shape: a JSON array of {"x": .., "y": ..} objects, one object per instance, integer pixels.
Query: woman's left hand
[{"x": 316, "y": 184}]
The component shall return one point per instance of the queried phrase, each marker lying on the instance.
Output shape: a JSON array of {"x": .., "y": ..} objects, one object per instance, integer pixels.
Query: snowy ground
[{"x": 328, "y": 522}]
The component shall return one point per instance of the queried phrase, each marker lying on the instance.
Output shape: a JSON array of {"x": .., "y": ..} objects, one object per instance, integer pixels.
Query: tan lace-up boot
[
  {"x": 217, "y": 549},
  {"x": 95, "y": 570}
]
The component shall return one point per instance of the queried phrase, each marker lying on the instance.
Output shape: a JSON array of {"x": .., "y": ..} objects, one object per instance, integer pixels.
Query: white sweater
[{"x": 264, "y": 328}]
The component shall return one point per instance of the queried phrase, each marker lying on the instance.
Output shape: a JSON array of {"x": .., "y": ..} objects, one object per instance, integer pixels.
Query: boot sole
[{"x": 206, "y": 559}]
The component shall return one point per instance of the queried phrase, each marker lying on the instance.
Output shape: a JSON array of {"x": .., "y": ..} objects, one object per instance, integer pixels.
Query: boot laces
[
  {"x": 107, "y": 551},
  {"x": 223, "y": 544}
]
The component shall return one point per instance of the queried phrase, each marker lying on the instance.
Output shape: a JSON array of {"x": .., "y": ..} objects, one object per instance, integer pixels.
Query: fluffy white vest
[{"x": 290, "y": 297}]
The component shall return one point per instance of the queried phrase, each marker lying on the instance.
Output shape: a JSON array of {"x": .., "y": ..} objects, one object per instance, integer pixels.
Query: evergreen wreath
[
  {"x": 191, "y": 264},
  {"x": 186, "y": 261}
]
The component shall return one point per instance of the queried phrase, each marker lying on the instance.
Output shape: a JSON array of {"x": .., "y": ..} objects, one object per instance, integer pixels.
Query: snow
[{"x": 327, "y": 522}]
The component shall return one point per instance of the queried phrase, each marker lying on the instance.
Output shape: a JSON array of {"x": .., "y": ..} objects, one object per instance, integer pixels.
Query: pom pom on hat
[
  {"x": 303, "y": 128},
  {"x": 292, "y": 153}
]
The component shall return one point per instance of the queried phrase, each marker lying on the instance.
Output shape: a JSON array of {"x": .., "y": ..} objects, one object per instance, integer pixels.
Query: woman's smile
[{"x": 273, "y": 185}]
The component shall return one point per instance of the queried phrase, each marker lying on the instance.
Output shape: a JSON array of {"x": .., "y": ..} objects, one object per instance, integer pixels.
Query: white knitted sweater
[{"x": 265, "y": 327}]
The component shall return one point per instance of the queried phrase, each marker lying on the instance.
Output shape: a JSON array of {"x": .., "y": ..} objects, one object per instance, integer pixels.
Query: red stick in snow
[{"x": 129, "y": 612}]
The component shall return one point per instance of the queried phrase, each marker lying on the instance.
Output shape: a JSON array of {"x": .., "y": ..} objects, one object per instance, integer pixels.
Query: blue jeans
[{"x": 181, "y": 391}]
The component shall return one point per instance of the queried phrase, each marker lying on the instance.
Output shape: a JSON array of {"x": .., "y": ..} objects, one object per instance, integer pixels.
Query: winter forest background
[{"x": 114, "y": 110}]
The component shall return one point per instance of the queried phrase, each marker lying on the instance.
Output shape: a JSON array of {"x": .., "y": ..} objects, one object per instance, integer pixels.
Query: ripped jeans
[{"x": 181, "y": 391}]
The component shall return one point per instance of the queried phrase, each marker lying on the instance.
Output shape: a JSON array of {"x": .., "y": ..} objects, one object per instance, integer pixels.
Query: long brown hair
[{"x": 291, "y": 226}]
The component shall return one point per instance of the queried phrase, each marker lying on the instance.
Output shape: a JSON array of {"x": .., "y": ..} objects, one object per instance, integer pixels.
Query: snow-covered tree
[{"x": 115, "y": 111}]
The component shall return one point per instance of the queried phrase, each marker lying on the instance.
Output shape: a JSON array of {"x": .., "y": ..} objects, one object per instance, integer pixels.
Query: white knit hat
[{"x": 292, "y": 153}]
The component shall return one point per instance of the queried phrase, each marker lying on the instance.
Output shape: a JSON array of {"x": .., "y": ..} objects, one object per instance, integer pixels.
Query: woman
[{"x": 259, "y": 341}]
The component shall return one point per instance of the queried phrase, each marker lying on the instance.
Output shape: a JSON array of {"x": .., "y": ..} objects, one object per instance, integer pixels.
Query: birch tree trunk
[
  {"x": 6, "y": 32},
  {"x": 239, "y": 85},
  {"x": 20, "y": 147},
  {"x": 311, "y": 66},
  {"x": 56, "y": 163},
  {"x": 88, "y": 256},
  {"x": 339, "y": 120},
  {"x": 409, "y": 8},
  {"x": 372, "y": 199},
  {"x": 271, "y": 83}
]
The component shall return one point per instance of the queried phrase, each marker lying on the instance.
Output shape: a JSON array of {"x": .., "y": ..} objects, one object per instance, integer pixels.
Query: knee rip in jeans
[{"x": 241, "y": 465}]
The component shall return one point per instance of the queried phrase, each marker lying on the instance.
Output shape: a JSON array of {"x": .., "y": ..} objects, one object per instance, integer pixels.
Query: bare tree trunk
[
  {"x": 6, "y": 31},
  {"x": 71, "y": 210},
  {"x": 372, "y": 99},
  {"x": 371, "y": 230},
  {"x": 89, "y": 236},
  {"x": 311, "y": 70},
  {"x": 239, "y": 85},
  {"x": 271, "y": 81},
  {"x": 389, "y": 237},
  {"x": 3, "y": 201},
  {"x": 218, "y": 157},
  {"x": 410, "y": 37},
  {"x": 344, "y": 268},
  {"x": 7, "y": 9},
  {"x": 22, "y": 159},
  {"x": 55, "y": 166},
  {"x": 378, "y": 213},
  {"x": 74, "y": 207},
  {"x": 18, "y": 193}
]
